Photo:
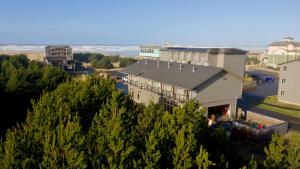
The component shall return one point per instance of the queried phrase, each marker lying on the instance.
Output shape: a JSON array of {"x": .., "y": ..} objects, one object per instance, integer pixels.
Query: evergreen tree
[
  {"x": 185, "y": 144},
  {"x": 152, "y": 154},
  {"x": 64, "y": 146},
  {"x": 293, "y": 155},
  {"x": 275, "y": 153},
  {"x": 202, "y": 159}
]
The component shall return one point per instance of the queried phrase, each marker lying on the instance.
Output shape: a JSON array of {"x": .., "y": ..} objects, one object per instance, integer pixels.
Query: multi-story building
[
  {"x": 283, "y": 51},
  {"x": 149, "y": 52},
  {"x": 261, "y": 57},
  {"x": 58, "y": 55},
  {"x": 289, "y": 83},
  {"x": 173, "y": 83},
  {"x": 230, "y": 59}
]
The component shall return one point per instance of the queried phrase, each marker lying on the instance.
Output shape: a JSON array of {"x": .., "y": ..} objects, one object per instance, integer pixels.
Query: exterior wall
[
  {"x": 289, "y": 83},
  {"x": 231, "y": 63},
  {"x": 281, "y": 54},
  {"x": 58, "y": 56},
  {"x": 220, "y": 90},
  {"x": 149, "y": 52},
  {"x": 196, "y": 58},
  {"x": 59, "y": 53},
  {"x": 143, "y": 96},
  {"x": 235, "y": 64}
]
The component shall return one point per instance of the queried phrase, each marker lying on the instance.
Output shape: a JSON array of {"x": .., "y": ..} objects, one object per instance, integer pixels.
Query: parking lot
[{"x": 264, "y": 87}]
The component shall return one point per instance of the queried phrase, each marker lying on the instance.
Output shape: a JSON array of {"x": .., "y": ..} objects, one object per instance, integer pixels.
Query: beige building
[
  {"x": 289, "y": 83},
  {"x": 58, "y": 55},
  {"x": 262, "y": 57},
  {"x": 283, "y": 51},
  {"x": 230, "y": 59},
  {"x": 173, "y": 83}
]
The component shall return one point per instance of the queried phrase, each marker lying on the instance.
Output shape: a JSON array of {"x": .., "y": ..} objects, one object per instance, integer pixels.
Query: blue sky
[{"x": 133, "y": 22}]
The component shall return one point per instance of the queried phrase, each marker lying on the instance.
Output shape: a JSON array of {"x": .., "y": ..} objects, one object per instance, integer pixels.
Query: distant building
[
  {"x": 283, "y": 51},
  {"x": 173, "y": 83},
  {"x": 262, "y": 57},
  {"x": 58, "y": 55},
  {"x": 149, "y": 52},
  {"x": 289, "y": 83},
  {"x": 231, "y": 59}
]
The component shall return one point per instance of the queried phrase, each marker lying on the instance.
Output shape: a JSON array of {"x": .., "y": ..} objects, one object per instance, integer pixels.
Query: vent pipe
[
  {"x": 168, "y": 64},
  {"x": 157, "y": 62},
  {"x": 180, "y": 66},
  {"x": 194, "y": 69}
]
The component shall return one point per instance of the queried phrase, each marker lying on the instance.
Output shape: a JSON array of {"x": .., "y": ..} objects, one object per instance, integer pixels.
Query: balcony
[{"x": 158, "y": 90}]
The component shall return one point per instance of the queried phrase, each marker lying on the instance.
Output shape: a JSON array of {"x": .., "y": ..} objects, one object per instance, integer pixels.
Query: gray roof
[
  {"x": 151, "y": 46},
  {"x": 184, "y": 78},
  {"x": 57, "y": 46},
  {"x": 229, "y": 51},
  {"x": 284, "y": 43}
]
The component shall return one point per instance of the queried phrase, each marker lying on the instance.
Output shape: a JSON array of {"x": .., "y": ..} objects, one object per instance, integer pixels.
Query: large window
[
  {"x": 282, "y": 93},
  {"x": 283, "y": 81}
]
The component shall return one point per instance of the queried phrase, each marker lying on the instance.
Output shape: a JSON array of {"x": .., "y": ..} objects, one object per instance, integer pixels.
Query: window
[
  {"x": 282, "y": 93},
  {"x": 138, "y": 95},
  {"x": 284, "y": 68},
  {"x": 283, "y": 81}
]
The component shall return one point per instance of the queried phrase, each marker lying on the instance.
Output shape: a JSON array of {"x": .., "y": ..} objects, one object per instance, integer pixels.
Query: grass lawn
[
  {"x": 293, "y": 136},
  {"x": 271, "y": 103}
]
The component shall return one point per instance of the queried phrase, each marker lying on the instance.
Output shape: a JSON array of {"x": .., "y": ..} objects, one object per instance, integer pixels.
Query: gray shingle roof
[
  {"x": 151, "y": 46},
  {"x": 57, "y": 46},
  {"x": 229, "y": 51},
  {"x": 184, "y": 78},
  {"x": 284, "y": 43}
]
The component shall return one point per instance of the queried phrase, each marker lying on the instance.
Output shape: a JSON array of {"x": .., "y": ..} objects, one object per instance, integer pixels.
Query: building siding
[{"x": 289, "y": 83}]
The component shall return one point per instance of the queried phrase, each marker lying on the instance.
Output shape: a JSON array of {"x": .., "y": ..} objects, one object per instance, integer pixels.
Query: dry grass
[{"x": 30, "y": 54}]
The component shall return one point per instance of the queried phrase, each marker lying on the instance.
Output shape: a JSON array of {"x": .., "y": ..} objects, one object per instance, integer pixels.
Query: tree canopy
[
  {"x": 21, "y": 81},
  {"x": 90, "y": 124}
]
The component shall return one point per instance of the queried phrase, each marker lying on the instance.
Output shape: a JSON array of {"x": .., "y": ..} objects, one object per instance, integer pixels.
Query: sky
[{"x": 136, "y": 22}]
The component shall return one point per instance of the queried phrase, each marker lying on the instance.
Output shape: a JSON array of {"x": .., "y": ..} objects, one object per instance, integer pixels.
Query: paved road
[{"x": 267, "y": 88}]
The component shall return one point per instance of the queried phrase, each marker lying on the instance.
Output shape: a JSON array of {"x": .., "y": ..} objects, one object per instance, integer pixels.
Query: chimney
[
  {"x": 194, "y": 69},
  {"x": 168, "y": 64}
]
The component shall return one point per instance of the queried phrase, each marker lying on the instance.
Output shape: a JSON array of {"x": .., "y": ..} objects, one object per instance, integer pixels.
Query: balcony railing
[{"x": 158, "y": 90}]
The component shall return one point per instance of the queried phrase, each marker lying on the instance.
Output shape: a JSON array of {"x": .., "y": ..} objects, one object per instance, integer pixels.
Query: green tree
[
  {"x": 64, "y": 146},
  {"x": 202, "y": 159},
  {"x": 126, "y": 61},
  {"x": 113, "y": 135},
  {"x": 185, "y": 144},
  {"x": 152, "y": 154},
  {"x": 275, "y": 153}
]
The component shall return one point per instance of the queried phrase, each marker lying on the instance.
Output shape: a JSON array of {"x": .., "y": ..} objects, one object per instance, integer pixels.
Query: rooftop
[
  {"x": 229, "y": 51},
  {"x": 286, "y": 41},
  {"x": 160, "y": 71},
  {"x": 151, "y": 46},
  {"x": 57, "y": 46}
]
